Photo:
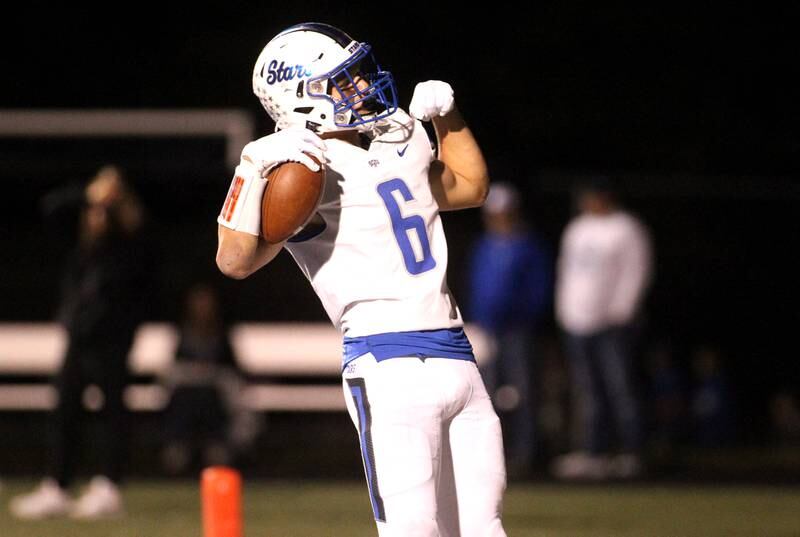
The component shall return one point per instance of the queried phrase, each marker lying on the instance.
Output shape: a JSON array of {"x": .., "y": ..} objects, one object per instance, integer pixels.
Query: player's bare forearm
[
  {"x": 241, "y": 254},
  {"x": 463, "y": 180}
]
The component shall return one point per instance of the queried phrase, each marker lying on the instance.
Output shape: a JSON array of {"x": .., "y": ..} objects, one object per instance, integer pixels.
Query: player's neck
[{"x": 349, "y": 136}]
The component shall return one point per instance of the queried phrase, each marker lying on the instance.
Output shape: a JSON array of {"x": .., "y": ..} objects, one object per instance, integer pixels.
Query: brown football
[{"x": 292, "y": 196}]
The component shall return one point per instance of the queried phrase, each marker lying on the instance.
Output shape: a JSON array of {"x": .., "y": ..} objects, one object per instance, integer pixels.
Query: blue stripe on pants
[{"x": 359, "y": 392}]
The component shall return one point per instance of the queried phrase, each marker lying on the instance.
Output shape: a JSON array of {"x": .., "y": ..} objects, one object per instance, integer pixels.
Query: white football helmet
[{"x": 296, "y": 73}]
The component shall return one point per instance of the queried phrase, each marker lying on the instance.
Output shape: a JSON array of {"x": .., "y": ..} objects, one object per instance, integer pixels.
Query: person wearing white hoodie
[{"x": 604, "y": 269}]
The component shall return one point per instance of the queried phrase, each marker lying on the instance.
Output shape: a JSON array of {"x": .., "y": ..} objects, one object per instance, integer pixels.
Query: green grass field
[{"x": 310, "y": 509}]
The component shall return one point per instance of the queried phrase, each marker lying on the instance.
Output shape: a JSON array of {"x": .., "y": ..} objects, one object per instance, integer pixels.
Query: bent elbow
[
  {"x": 232, "y": 267},
  {"x": 479, "y": 192},
  {"x": 235, "y": 273},
  {"x": 482, "y": 192}
]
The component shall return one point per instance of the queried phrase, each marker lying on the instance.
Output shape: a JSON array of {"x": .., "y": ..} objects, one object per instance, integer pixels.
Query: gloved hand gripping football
[{"x": 242, "y": 208}]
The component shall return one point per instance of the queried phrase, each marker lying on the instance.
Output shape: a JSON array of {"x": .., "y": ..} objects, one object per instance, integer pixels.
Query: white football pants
[{"x": 431, "y": 445}]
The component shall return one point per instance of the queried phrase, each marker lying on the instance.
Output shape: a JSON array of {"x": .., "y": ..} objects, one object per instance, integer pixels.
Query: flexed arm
[{"x": 459, "y": 178}]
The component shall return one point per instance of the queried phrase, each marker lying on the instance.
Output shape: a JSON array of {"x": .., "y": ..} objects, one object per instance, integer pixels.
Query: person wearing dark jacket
[
  {"x": 510, "y": 292},
  {"x": 204, "y": 413},
  {"x": 103, "y": 290}
]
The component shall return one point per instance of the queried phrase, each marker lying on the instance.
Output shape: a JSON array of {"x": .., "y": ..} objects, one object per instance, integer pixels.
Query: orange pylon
[{"x": 221, "y": 491}]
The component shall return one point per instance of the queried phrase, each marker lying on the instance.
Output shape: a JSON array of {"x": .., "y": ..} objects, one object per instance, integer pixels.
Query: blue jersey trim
[{"x": 445, "y": 343}]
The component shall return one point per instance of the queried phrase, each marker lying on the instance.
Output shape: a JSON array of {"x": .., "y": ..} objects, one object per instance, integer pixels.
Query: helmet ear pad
[{"x": 297, "y": 71}]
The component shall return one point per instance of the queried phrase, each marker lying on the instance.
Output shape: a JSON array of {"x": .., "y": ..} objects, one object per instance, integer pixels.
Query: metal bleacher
[{"x": 296, "y": 366}]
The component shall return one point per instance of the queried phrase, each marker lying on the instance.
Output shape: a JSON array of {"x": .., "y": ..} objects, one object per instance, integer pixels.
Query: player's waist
[
  {"x": 445, "y": 343},
  {"x": 413, "y": 311}
]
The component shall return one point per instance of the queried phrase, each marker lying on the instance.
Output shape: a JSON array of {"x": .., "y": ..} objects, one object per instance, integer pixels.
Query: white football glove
[
  {"x": 432, "y": 98},
  {"x": 294, "y": 144}
]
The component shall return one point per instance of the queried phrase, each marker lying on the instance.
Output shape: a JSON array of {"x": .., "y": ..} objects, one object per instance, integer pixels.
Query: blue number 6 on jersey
[{"x": 402, "y": 225}]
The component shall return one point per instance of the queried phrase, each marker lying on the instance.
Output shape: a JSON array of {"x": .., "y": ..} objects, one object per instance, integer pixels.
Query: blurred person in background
[
  {"x": 712, "y": 408},
  {"x": 666, "y": 401},
  {"x": 784, "y": 411},
  {"x": 510, "y": 291},
  {"x": 204, "y": 412},
  {"x": 604, "y": 268},
  {"x": 103, "y": 293}
]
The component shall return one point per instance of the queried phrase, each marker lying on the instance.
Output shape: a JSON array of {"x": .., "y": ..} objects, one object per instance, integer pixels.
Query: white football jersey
[{"x": 380, "y": 263}]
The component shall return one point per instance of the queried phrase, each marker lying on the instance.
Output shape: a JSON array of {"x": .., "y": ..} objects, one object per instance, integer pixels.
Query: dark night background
[{"x": 693, "y": 109}]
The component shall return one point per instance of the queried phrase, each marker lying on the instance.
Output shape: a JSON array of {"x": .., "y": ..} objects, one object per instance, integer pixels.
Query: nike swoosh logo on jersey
[{"x": 401, "y": 152}]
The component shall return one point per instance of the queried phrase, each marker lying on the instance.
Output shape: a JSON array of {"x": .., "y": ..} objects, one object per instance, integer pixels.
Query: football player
[{"x": 376, "y": 255}]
